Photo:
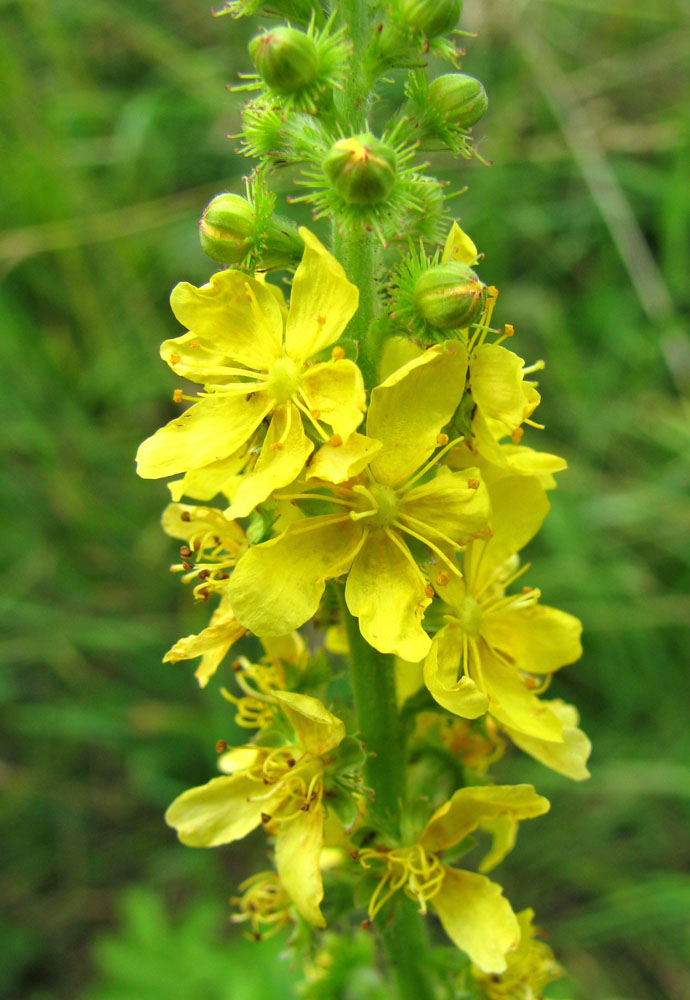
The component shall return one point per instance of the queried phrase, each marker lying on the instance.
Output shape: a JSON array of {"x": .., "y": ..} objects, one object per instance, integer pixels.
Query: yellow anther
[
  {"x": 429, "y": 590},
  {"x": 508, "y": 330},
  {"x": 335, "y": 441},
  {"x": 442, "y": 439},
  {"x": 175, "y": 359},
  {"x": 473, "y": 484},
  {"x": 178, "y": 396},
  {"x": 442, "y": 579},
  {"x": 338, "y": 353},
  {"x": 517, "y": 435}
]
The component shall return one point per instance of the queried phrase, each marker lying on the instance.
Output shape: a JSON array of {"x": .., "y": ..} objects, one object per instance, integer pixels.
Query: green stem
[
  {"x": 372, "y": 675},
  {"x": 357, "y": 249}
]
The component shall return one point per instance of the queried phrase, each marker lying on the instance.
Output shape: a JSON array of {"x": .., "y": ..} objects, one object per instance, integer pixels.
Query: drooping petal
[
  {"x": 236, "y": 314},
  {"x": 218, "y": 812},
  {"x": 278, "y": 585},
  {"x": 459, "y": 695},
  {"x": 338, "y": 463},
  {"x": 510, "y": 701},
  {"x": 212, "y": 645},
  {"x": 539, "y": 639},
  {"x": 528, "y": 462},
  {"x": 408, "y": 411},
  {"x": 497, "y": 384},
  {"x": 298, "y": 850},
  {"x": 206, "y": 483},
  {"x": 284, "y": 453},
  {"x": 336, "y": 390},
  {"x": 504, "y": 830},
  {"x": 322, "y": 302},
  {"x": 459, "y": 247},
  {"x": 461, "y": 814},
  {"x": 208, "y": 431},
  {"x": 386, "y": 591},
  {"x": 477, "y": 918},
  {"x": 569, "y": 757},
  {"x": 452, "y": 505},
  {"x": 318, "y": 731}
]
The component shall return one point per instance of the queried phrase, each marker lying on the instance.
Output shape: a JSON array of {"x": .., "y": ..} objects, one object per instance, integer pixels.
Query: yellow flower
[
  {"x": 285, "y": 655},
  {"x": 383, "y": 501},
  {"x": 264, "y": 903},
  {"x": 499, "y": 642},
  {"x": 281, "y": 788},
  {"x": 529, "y": 968},
  {"x": 471, "y": 908},
  {"x": 253, "y": 363},
  {"x": 212, "y": 547}
]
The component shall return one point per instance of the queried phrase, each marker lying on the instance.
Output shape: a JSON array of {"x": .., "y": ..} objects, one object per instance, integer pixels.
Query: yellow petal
[
  {"x": 236, "y": 314},
  {"x": 504, "y": 830},
  {"x": 395, "y": 353},
  {"x": 461, "y": 696},
  {"x": 218, "y": 812},
  {"x": 497, "y": 384},
  {"x": 511, "y": 703},
  {"x": 461, "y": 814},
  {"x": 317, "y": 729},
  {"x": 322, "y": 302},
  {"x": 335, "y": 389},
  {"x": 518, "y": 508},
  {"x": 459, "y": 247},
  {"x": 448, "y": 507},
  {"x": 569, "y": 757},
  {"x": 528, "y": 462},
  {"x": 477, "y": 918},
  {"x": 539, "y": 639},
  {"x": 288, "y": 648},
  {"x": 277, "y": 586},
  {"x": 208, "y": 431},
  {"x": 408, "y": 411},
  {"x": 195, "y": 359},
  {"x": 298, "y": 850},
  {"x": 238, "y": 759},
  {"x": 338, "y": 463},
  {"x": 386, "y": 591},
  {"x": 206, "y": 483},
  {"x": 285, "y": 450},
  {"x": 212, "y": 644}
]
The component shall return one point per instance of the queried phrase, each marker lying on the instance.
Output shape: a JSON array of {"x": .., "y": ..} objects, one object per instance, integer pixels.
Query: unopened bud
[
  {"x": 227, "y": 227},
  {"x": 229, "y": 232},
  {"x": 460, "y": 98},
  {"x": 431, "y": 17},
  {"x": 285, "y": 58},
  {"x": 361, "y": 169},
  {"x": 450, "y": 296}
]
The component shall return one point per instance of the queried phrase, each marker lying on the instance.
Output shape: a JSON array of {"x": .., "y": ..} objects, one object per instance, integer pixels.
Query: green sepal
[{"x": 343, "y": 804}]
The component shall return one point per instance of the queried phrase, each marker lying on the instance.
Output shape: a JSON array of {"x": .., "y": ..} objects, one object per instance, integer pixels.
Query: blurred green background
[{"x": 114, "y": 119}]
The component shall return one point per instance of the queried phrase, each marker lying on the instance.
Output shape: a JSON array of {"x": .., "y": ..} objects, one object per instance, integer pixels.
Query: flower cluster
[{"x": 354, "y": 464}]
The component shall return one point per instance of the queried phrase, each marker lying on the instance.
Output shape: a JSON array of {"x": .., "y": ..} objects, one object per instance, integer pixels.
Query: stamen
[
  {"x": 434, "y": 548},
  {"x": 431, "y": 462},
  {"x": 309, "y": 414}
]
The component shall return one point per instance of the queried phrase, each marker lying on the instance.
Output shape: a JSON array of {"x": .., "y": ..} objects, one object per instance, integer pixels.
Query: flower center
[
  {"x": 386, "y": 501},
  {"x": 283, "y": 380},
  {"x": 471, "y": 616}
]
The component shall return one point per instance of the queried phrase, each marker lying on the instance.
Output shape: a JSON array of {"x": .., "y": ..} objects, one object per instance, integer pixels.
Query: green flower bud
[
  {"x": 285, "y": 58},
  {"x": 227, "y": 227},
  {"x": 229, "y": 232},
  {"x": 361, "y": 169},
  {"x": 450, "y": 296},
  {"x": 431, "y": 17},
  {"x": 460, "y": 98}
]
